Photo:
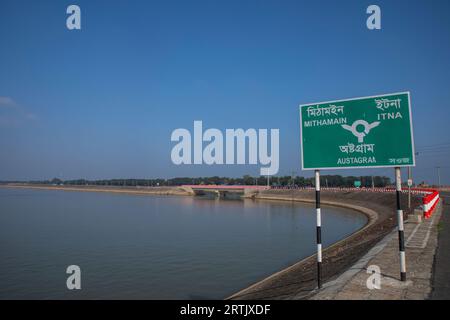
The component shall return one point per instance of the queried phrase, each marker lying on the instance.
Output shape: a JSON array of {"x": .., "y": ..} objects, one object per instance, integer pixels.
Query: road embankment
[
  {"x": 299, "y": 280},
  {"x": 176, "y": 191}
]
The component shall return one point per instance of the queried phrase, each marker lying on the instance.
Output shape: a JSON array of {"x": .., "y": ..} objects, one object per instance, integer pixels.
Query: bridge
[{"x": 222, "y": 190}]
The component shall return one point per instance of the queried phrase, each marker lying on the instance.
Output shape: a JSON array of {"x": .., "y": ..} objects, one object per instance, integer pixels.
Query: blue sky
[{"x": 101, "y": 102}]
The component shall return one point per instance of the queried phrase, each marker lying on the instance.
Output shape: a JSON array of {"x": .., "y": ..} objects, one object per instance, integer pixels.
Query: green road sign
[
  {"x": 367, "y": 132},
  {"x": 357, "y": 183}
]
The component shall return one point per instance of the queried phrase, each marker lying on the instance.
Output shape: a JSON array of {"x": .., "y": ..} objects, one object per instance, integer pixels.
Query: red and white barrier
[
  {"x": 430, "y": 197},
  {"x": 430, "y": 202}
]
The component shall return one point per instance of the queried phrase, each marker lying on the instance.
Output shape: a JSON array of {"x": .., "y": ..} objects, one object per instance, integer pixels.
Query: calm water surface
[{"x": 151, "y": 247}]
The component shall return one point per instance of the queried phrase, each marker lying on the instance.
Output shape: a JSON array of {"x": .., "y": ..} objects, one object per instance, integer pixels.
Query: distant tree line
[{"x": 325, "y": 180}]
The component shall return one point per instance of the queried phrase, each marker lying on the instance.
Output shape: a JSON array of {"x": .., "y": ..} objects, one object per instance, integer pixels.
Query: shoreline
[
  {"x": 296, "y": 281},
  {"x": 178, "y": 191},
  {"x": 371, "y": 215}
]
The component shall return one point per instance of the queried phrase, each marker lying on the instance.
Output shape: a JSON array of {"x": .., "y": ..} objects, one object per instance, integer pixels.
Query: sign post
[
  {"x": 318, "y": 230},
  {"x": 366, "y": 132},
  {"x": 410, "y": 183},
  {"x": 401, "y": 236}
]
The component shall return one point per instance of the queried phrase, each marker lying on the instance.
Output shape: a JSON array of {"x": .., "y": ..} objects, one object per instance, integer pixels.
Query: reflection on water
[{"x": 151, "y": 247}]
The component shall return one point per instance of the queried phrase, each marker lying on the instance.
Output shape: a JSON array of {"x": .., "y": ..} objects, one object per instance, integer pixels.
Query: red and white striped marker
[{"x": 429, "y": 203}]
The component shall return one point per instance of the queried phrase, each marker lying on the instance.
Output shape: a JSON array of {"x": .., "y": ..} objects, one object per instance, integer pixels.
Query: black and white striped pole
[
  {"x": 401, "y": 236},
  {"x": 318, "y": 231}
]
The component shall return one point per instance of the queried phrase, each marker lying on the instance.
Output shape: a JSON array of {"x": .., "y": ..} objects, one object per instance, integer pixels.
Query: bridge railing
[
  {"x": 224, "y": 187},
  {"x": 430, "y": 197}
]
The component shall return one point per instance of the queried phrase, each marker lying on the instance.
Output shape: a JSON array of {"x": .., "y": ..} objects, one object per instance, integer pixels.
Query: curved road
[{"x": 441, "y": 270}]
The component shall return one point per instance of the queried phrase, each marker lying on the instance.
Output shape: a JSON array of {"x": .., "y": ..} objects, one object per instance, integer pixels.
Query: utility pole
[
  {"x": 439, "y": 176},
  {"x": 410, "y": 183},
  {"x": 401, "y": 236},
  {"x": 409, "y": 187},
  {"x": 373, "y": 183}
]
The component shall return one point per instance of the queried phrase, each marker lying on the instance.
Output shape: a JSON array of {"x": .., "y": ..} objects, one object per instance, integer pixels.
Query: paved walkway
[
  {"x": 421, "y": 242},
  {"x": 441, "y": 271}
]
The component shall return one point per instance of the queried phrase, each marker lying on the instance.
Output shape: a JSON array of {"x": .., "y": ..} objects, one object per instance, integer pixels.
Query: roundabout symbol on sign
[{"x": 360, "y": 134}]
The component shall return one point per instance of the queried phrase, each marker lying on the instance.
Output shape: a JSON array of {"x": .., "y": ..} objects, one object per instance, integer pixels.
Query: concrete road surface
[{"x": 441, "y": 270}]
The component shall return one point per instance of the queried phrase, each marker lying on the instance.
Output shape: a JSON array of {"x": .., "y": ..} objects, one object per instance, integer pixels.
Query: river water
[{"x": 152, "y": 247}]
